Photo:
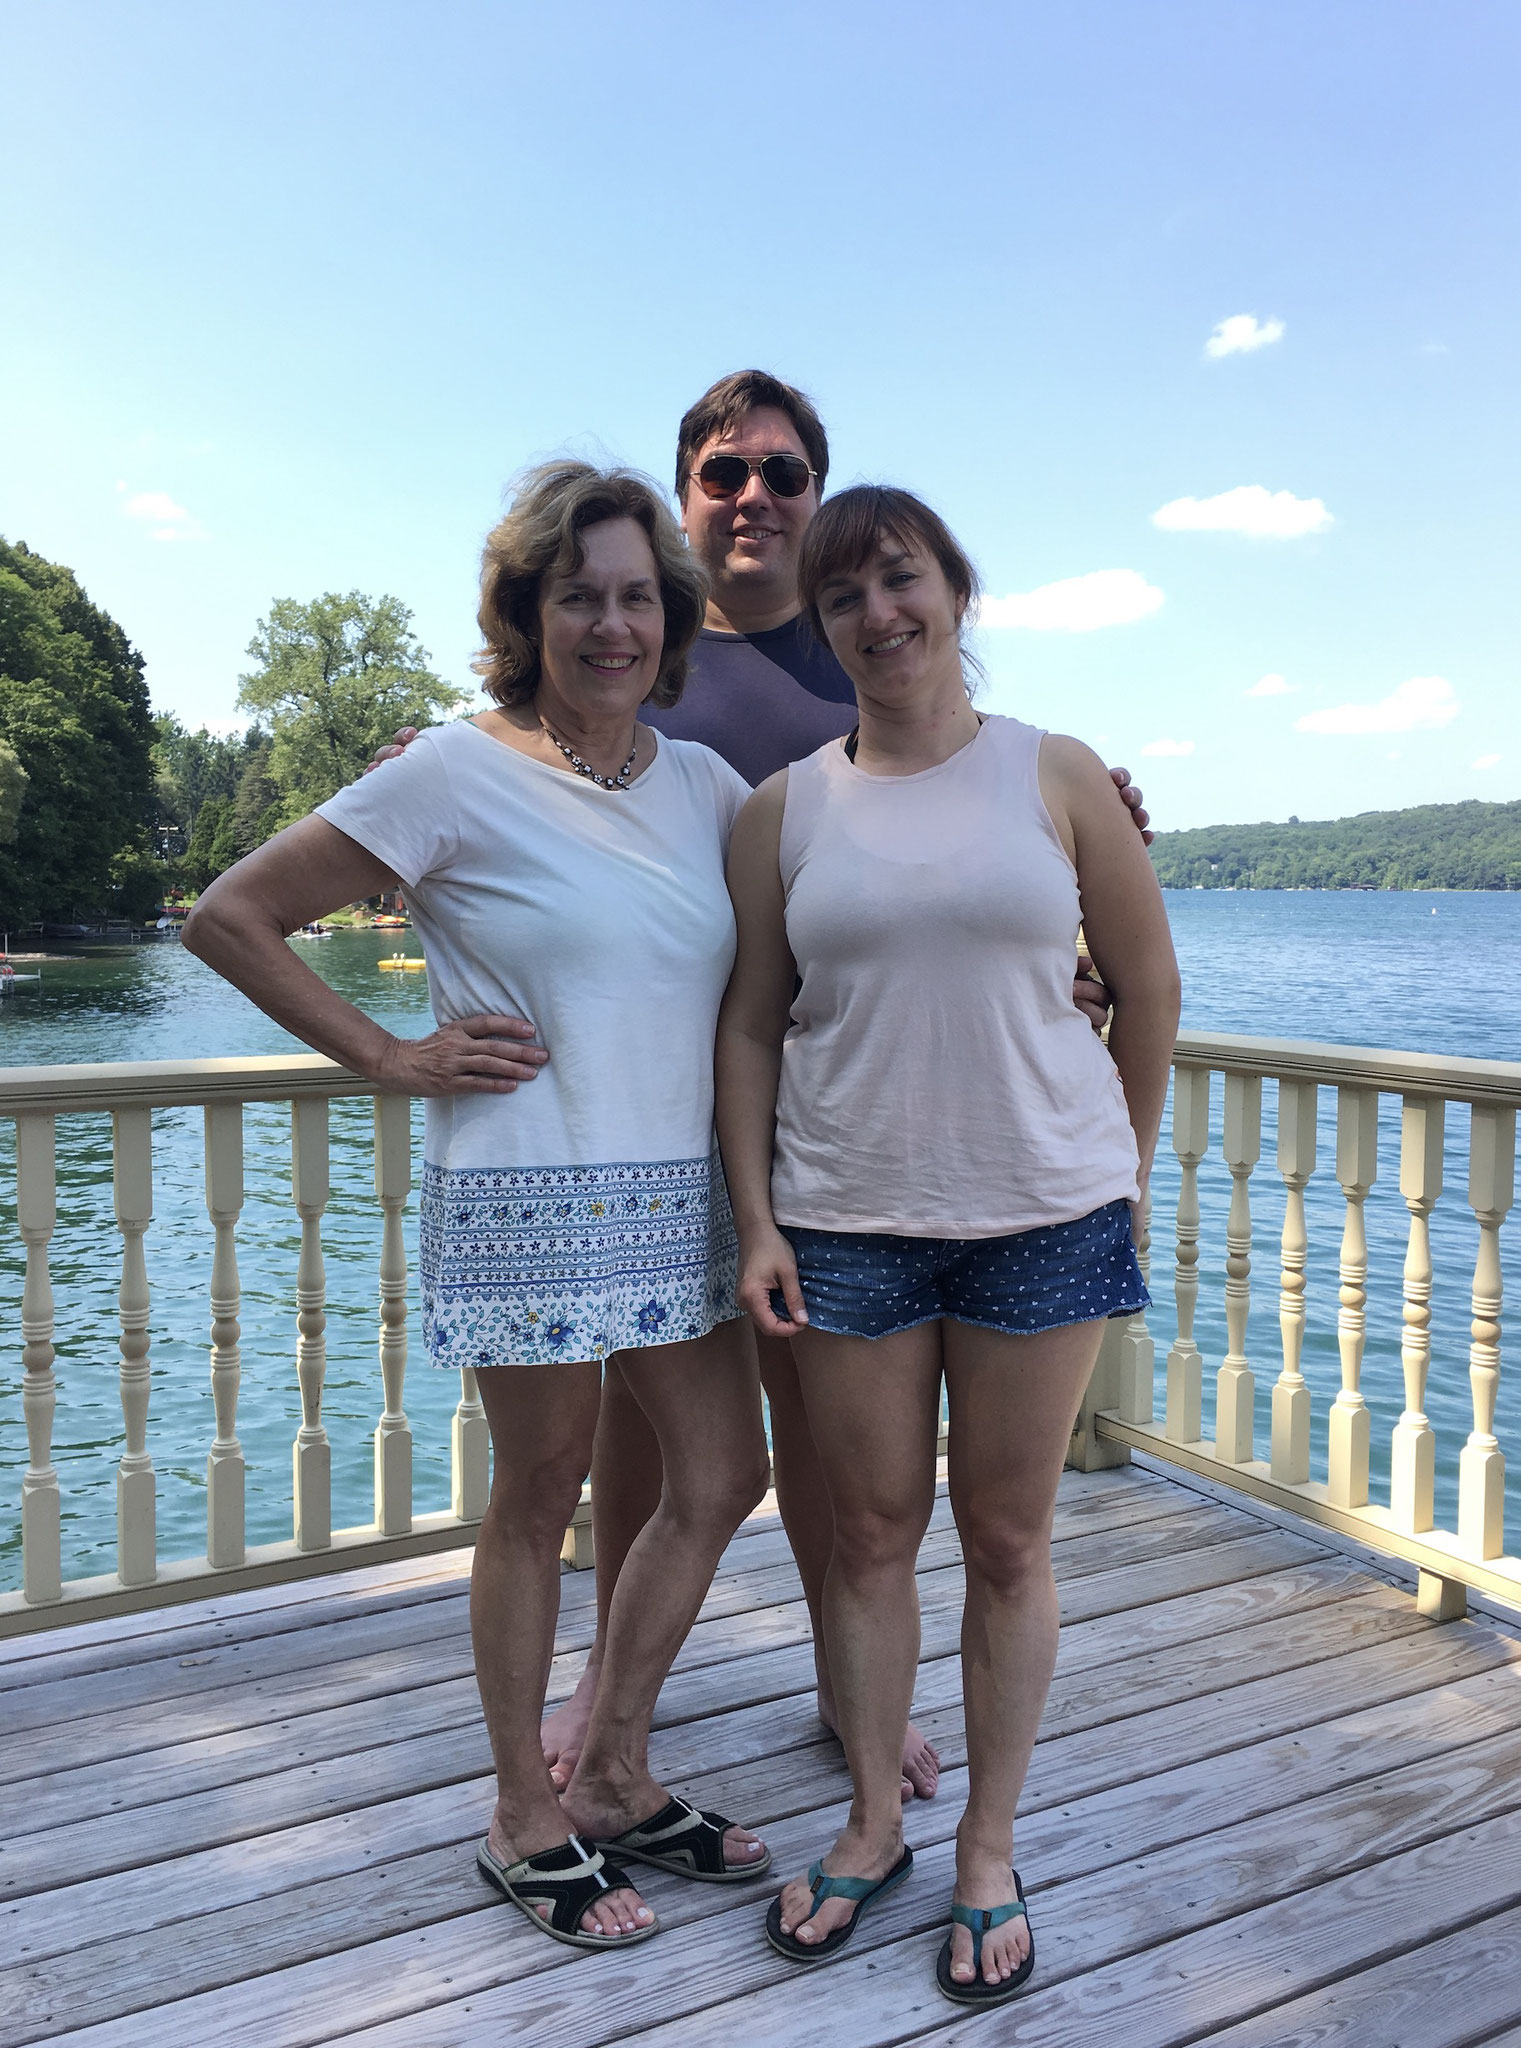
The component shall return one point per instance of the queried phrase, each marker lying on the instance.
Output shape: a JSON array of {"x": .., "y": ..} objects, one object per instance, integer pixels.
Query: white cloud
[
  {"x": 1242, "y": 333},
  {"x": 1250, "y": 509},
  {"x": 1423, "y": 704},
  {"x": 165, "y": 519},
  {"x": 1487, "y": 761},
  {"x": 1168, "y": 749},
  {"x": 1077, "y": 604},
  {"x": 1272, "y": 686}
]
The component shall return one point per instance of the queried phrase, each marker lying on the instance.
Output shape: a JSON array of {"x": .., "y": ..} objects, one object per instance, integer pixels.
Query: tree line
[
  {"x": 106, "y": 807},
  {"x": 1433, "y": 846}
]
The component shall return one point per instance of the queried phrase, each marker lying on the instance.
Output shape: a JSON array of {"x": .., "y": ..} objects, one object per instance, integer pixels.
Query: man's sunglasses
[{"x": 725, "y": 476}]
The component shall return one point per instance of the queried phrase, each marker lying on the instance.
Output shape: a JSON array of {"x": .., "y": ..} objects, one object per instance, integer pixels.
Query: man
[{"x": 751, "y": 460}]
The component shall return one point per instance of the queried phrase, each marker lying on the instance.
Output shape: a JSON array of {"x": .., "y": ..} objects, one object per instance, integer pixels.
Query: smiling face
[
  {"x": 749, "y": 543},
  {"x": 602, "y": 628},
  {"x": 894, "y": 623}
]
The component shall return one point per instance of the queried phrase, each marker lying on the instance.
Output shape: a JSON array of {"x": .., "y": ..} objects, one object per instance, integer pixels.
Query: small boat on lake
[{"x": 314, "y": 931}]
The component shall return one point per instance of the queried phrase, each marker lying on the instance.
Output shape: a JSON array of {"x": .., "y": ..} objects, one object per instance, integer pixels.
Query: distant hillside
[{"x": 1436, "y": 846}]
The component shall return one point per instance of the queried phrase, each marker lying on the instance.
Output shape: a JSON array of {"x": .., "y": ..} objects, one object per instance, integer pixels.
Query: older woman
[
  {"x": 933, "y": 1164},
  {"x": 565, "y": 870}
]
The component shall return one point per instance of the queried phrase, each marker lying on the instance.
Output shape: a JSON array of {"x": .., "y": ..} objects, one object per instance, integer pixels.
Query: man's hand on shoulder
[
  {"x": 1130, "y": 796},
  {"x": 404, "y": 735}
]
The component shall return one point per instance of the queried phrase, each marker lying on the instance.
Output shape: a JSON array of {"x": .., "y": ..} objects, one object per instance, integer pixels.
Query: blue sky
[{"x": 289, "y": 292}]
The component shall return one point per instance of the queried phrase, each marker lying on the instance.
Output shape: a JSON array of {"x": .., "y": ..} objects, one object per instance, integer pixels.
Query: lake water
[{"x": 1431, "y": 973}]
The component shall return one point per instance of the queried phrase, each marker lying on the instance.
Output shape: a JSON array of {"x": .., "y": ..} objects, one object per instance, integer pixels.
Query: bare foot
[
  {"x": 619, "y": 1912},
  {"x": 921, "y": 1759},
  {"x": 564, "y": 1730},
  {"x": 986, "y": 1881},
  {"x": 851, "y": 1856},
  {"x": 600, "y": 1810}
]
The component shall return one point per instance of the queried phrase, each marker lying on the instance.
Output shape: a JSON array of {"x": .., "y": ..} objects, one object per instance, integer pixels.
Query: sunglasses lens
[
  {"x": 785, "y": 476},
  {"x": 722, "y": 475}
]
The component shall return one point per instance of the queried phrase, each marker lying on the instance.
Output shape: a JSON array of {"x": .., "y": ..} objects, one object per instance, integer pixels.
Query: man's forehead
[{"x": 763, "y": 431}]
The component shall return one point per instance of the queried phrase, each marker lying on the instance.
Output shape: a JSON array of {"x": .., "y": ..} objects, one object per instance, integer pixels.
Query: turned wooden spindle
[
  {"x": 393, "y": 1435},
  {"x": 36, "y": 1213},
  {"x": 1185, "y": 1367},
  {"x": 1137, "y": 1366},
  {"x": 471, "y": 1447},
  {"x": 1298, "y": 1103},
  {"x": 132, "y": 1184},
  {"x": 224, "y": 1461},
  {"x": 1481, "y": 1465},
  {"x": 311, "y": 1454},
  {"x": 1235, "y": 1383},
  {"x": 1412, "y": 1451},
  {"x": 1356, "y": 1170}
]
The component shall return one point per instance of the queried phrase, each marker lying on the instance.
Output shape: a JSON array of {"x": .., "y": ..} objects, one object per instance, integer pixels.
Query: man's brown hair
[{"x": 725, "y": 404}]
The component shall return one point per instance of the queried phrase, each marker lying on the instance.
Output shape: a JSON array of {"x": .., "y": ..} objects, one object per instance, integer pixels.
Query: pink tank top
[{"x": 937, "y": 1080}]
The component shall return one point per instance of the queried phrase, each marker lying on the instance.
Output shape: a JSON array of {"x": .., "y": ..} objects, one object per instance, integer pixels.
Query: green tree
[
  {"x": 335, "y": 678},
  {"x": 256, "y": 809},
  {"x": 74, "y": 712},
  {"x": 213, "y": 844},
  {"x": 13, "y": 782},
  {"x": 190, "y": 767}
]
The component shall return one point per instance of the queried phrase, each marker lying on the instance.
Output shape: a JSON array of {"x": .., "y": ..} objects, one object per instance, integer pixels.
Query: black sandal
[
  {"x": 567, "y": 1880},
  {"x": 685, "y": 1842},
  {"x": 862, "y": 1891},
  {"x": 982, "y": 1920}
]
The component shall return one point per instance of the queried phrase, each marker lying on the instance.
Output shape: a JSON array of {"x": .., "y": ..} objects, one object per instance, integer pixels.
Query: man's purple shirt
[{"x": 762, "y": 700}]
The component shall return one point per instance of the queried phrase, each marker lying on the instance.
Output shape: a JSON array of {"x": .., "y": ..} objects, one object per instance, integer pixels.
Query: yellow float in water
[{"x": 400, "y": 962}]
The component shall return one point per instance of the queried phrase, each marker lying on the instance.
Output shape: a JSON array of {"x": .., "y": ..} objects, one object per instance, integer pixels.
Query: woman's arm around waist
[
  {"x": 748, "y": 1056},
  {"x": 1125, "y": 925},
  {"x": 239, "y": 927}
]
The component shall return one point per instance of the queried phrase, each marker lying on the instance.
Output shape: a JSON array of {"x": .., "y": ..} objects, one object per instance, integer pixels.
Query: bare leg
[
  {"x": 625, "y": 1492},
  {"x": 874, "y": 1408},
  {"x": 542, "y": 1418},
  {"x": 1013, "y": 1402},
  {"x": 701, "y": 1400},
  {"x": 803, "y": 1500}
]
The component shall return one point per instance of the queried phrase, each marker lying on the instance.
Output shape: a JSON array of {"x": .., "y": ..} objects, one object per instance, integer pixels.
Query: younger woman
[{"x": 933, "y": 1165}]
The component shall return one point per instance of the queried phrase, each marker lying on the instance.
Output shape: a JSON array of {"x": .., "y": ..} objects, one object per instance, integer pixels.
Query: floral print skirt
[{"x": 529, "y": 1265}]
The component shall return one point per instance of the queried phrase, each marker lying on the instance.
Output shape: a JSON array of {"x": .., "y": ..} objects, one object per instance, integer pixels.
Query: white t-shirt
[{"x": 600, "y": 915}]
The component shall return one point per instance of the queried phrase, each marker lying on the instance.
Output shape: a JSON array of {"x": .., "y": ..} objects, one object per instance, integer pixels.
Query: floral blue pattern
[{"x": 526, "y": 1265}]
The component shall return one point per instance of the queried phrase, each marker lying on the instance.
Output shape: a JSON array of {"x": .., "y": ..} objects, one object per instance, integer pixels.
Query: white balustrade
[
  {"x": 1185, "y": 1366},
  {"x": 311, "y": 1454},
  {"x": 1298, "y": 1108},
  {"x": 1117, "y": 1414},
  {"x": 132, "y": 1181},
  {"x": 1235, "y": 1384},
  {"x": 225, "y": 1544}
]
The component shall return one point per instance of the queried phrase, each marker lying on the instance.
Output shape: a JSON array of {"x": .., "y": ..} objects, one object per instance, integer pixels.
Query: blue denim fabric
[{"x": 866, "y": 1284}]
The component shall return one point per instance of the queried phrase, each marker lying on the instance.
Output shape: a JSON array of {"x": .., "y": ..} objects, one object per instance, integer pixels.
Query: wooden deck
[{"x": 1270, "y": 1804}]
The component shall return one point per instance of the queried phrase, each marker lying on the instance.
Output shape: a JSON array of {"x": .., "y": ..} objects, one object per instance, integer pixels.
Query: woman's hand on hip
[
  {"x": 471, "y": 1056},
  {"x": 767, "y": 1267}
]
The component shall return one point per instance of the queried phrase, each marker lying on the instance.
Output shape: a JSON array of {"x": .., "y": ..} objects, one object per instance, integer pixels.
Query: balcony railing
[{"x": 1118, "y": 1415}]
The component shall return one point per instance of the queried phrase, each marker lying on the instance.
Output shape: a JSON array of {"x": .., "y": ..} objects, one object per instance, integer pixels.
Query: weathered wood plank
[
  {"x": 695, "y": 1716},
  {"x": 374, "y": 1657},
  {"x": 107, "y": 1979},
  {"x": 174, "y": 1633},
  {"x": 1149, "y": 1910},
  {"x": 1441, "y": 1994}
]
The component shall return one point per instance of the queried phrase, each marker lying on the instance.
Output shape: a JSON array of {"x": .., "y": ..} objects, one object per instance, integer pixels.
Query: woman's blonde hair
[{"x": 541, "y": 535}]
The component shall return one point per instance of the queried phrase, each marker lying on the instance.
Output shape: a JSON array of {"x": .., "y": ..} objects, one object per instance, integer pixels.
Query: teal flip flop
[
  {"x": 864, "y": 1890},
  {"x": 982, "y": 1920}
]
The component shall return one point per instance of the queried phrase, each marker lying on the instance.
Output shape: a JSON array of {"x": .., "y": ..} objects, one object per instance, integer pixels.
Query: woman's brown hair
[{"x": 541, "y": 535}]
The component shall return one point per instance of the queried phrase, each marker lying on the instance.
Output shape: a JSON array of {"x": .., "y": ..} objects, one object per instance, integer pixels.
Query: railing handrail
[
  {"x": 169, "y": 1084},
  {"x": 1496, "y": 1082}
]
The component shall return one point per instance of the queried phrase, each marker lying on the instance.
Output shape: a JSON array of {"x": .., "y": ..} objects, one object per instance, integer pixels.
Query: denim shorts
[{"x": 869, "y": 1284}]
